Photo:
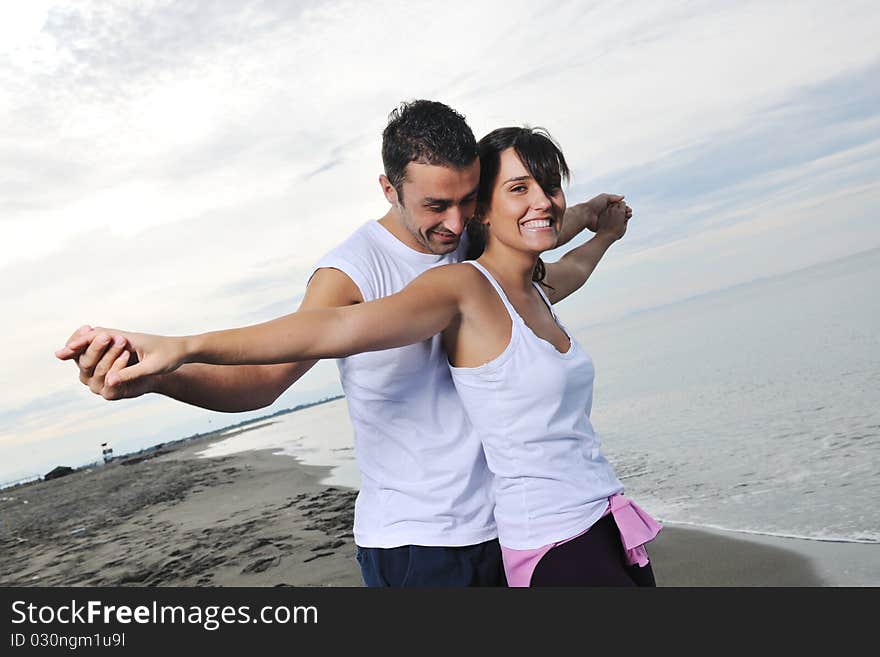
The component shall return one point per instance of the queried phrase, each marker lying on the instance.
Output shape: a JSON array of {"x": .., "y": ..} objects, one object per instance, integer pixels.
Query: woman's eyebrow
[{"x": 518, "y": 178}]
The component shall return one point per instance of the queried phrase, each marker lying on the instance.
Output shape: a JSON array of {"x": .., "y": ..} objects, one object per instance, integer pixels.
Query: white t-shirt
[{"x": 424, "y": 479}]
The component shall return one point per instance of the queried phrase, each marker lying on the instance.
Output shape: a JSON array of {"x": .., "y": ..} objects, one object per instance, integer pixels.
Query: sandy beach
[
  {"x": 253, "y": 519},
  {"x": 257, "y": 519}
]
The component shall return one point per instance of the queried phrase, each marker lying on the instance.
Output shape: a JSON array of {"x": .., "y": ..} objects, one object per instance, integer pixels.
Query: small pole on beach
[{"x": 106, "y": 452}]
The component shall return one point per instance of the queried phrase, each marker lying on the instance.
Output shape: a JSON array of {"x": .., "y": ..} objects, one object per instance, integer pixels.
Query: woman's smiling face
[{"x": 524, "y": 214}]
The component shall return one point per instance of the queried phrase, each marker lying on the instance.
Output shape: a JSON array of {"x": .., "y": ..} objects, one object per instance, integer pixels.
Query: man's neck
[{"x": 393, "y": 223}]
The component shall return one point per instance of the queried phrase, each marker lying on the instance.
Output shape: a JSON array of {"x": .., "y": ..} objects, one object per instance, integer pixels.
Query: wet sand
[
  {"x": 256, "y": 519},
  {"x": 252, "y": 519}
]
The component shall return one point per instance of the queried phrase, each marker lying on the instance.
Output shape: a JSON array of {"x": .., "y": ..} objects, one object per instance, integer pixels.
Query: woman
[{"x": 526, "y": 385}]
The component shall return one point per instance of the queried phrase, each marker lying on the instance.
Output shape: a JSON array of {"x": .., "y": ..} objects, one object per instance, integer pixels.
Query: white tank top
[
  {"x": 424, "y": 479},
  {"x": 531, "y": 406}
]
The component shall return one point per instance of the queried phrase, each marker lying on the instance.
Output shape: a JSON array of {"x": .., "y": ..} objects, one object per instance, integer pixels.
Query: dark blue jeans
[{"x": 421, "y": 565}]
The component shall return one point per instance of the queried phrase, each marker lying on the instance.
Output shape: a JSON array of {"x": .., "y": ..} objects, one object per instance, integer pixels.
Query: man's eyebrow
[
  {"x": 473, "y": 192},
  {"x": 430, "y": 200}
]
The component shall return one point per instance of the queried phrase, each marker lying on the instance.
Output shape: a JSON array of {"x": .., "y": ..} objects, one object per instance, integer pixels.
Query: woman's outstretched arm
[{"x": 422, "y": 309}]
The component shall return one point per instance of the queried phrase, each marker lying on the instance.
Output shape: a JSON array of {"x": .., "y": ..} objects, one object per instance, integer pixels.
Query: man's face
[{"x": 437, "y": 202}]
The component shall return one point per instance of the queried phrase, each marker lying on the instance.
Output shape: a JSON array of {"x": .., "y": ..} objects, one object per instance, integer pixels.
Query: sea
[{"x": 754, "y": 409}]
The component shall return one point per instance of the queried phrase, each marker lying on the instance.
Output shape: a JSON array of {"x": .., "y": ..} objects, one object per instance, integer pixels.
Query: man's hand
[
  {"x": 600, "y": 204},
  {"x": 613, "y": 221},
  {"x": 99, "y": 352},
  {"x": 576, "y": 266},
  {"x": 586, "y": 216}
]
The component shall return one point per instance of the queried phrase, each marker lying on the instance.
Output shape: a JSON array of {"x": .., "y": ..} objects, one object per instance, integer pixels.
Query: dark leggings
[{"x": 596, "y": 558}]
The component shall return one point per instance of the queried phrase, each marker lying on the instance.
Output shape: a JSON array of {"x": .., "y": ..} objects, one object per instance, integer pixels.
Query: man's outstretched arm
[
  {"x": 220, "y": 388},
  {"x": 575, "y": 267},
  {"x": 228, "y": 388},
  {"x": 585, "y": 216}
]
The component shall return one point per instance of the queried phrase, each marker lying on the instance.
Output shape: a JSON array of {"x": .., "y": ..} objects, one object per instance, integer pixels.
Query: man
[{"x": 423, "y": 515}]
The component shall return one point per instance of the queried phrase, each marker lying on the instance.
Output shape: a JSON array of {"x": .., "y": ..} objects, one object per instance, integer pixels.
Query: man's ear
[{"x": 388, "y": 190}]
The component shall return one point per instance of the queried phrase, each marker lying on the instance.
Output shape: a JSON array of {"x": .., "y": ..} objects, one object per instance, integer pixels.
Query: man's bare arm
[
  {"x": 227, "y": 388},
  {"x": 577, "y": 265},
  {"x": 585, "y": 216},
  {"x": 422, "y": 309}
]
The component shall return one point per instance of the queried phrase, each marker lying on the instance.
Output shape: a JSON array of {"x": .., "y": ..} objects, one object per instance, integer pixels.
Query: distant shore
[
  {"x": 154, "y": 450},
  {"x": 256, "y": 519}
]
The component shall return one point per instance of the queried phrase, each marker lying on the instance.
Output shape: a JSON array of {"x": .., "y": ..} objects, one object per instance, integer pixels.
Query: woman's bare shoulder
[
  {"x": 456, "y": 283},
  {"x": 456, "y": 274},
  {"x": 475, "y": 293}
]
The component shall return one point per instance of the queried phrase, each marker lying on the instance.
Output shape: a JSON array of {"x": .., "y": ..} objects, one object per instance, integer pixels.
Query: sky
[{"x": 176, "y": 167}]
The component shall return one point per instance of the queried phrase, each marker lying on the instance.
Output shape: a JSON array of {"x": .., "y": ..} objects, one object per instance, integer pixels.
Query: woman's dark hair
[
  {"x": 428, "y": 132},
  {"x": 540, "y": 155}
]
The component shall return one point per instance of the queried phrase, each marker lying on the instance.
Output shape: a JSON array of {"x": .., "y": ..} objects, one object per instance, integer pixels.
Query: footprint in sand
[
  {"x": 261, "y": 565},
  {"x": 331, "y": 545}
]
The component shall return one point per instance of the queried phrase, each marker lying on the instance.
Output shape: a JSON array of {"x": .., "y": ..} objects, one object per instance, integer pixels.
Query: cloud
[
  {"x": 772, "y": 150},
  {"x": 326, "y": 166},
  {"x": 55, "y": 402}
]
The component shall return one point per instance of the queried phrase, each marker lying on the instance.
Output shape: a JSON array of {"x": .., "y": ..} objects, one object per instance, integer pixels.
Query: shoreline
[
  {"x": 831, "y": 563},
  {"x": 712, "y": 557},
  {"x": 178, "y": 520},
  {"x": 150, "y": 451},
  {"x": 254, "y": 519}
]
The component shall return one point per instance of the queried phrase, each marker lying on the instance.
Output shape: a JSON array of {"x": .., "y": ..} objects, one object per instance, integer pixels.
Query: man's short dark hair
[{"x": 427, "y": 132}]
